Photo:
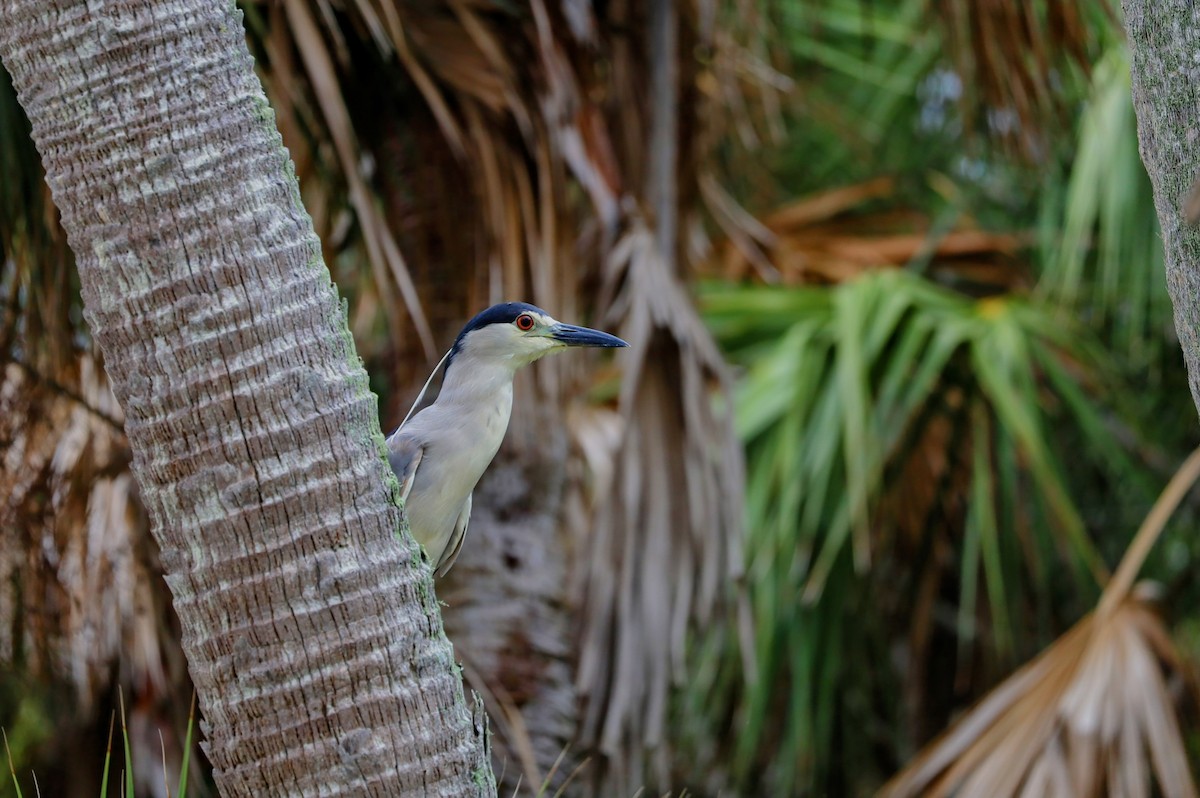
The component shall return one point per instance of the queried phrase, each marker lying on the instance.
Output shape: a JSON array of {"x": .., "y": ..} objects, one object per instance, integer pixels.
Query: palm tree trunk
[
  {"x": 1163, "y": 37},
  {"x": 311, "y": 629}
]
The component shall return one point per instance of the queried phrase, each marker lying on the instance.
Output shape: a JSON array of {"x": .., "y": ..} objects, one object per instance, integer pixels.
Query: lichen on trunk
[{"x": 1163, "y": 40}]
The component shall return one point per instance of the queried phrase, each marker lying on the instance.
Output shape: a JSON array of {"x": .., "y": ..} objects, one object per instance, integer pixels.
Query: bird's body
[
  {"x": 440, "y": 453},
  {"x": 457, "y": 443}
]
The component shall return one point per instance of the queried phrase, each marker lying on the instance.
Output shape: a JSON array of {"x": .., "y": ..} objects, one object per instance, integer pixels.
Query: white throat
[{"x": 470, "y": 381}]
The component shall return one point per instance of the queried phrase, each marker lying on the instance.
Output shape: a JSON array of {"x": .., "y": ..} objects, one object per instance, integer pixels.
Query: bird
[{"x": 440, "y": 452}]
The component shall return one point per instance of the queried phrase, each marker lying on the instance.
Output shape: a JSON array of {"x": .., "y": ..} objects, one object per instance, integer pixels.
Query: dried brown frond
[
  {"x": 1010, "y": 56},
  {"x": 81, "y": 596},
  {"x": 38, "y": 287},
  {"x": 383, "y": 252},
  {"x": 829, "y": 238},
  {"x": 73, "y": 538},
  {"x": 1094, "y": 714},
  {"x": 666, "y": 541}
]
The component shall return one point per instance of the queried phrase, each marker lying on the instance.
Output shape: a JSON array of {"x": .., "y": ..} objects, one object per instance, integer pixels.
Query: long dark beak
[{"x": 571, "y": 335}]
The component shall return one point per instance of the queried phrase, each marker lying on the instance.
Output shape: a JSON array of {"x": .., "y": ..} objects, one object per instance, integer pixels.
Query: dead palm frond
[
  {"x": 1094, "y": 714},
  {"x": 39, "y": 292},
  {"x": 1013, "y": 58},
  {"x": 665, "y": 549},
  {"x": 666, "y": 541},
  {"x": 383, "y": 252},
  {"x": 78, "y": 572},
  {"x": 839, "y": 233}
]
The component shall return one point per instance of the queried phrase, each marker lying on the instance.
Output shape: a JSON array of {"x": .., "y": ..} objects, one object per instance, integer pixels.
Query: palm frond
[
  {"x": 666, "y": 541},
  {"x": 885, "y": 417},
  {"x": 839, "y": 233},
  {"x": 382, "y": 249},
  {"x": 857, "y": 69},
  {"x": 1094, "y": 714},
  {"x": 1104, "y": 254},
  {"x": 40, "y": 311},
  {"x": 1014, "y": 59},
  {"x": 71, "y": 490}
]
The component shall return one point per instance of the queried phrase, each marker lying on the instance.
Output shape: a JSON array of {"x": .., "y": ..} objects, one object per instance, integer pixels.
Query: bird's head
[{"x": 516, "y": 334}]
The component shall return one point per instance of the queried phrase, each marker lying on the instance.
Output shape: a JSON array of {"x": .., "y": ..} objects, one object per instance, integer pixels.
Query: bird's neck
[{"x": 478, "y": 383}]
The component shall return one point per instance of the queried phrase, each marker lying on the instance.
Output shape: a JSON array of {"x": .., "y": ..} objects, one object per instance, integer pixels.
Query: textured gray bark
[
  {"x": 311, "y": 630},
  {"x": 1164, "y": 44}
]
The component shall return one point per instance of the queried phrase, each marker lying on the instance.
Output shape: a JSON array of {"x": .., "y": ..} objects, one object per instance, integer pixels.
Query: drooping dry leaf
[
  {"x": 828, "y": 238},
  {"x": 384, "y": 254},
  {"x": 1094, "y": 714},
  {"x": 666, "y": 541},
  {"x": 1007, "y": 55}
]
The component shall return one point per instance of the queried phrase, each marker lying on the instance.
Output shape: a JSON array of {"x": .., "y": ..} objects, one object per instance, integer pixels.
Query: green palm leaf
[
  {"x": 1101, "y": 243},
  {"x": 841, "y": 387}
]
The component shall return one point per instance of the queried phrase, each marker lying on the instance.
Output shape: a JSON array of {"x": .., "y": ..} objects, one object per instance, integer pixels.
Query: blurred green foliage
[{"x": 938, "y": 477}]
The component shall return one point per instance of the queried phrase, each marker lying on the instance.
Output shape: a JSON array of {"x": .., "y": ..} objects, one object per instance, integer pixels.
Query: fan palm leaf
[
  {"x": 888, "y": 418},
  {"x": 1094, "y": 714}
]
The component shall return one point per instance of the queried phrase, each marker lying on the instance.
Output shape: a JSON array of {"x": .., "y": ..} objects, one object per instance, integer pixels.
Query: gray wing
[
  {"x": 404, "y": 454},
  {"x": 454, "y": 545}
]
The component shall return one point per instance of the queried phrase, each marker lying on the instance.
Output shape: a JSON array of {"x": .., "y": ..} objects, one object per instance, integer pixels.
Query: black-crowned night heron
[{"x": 440, "y": 453}]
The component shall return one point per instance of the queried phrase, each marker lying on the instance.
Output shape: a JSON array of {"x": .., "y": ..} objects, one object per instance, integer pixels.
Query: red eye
[{"x": 524, "y": 322}]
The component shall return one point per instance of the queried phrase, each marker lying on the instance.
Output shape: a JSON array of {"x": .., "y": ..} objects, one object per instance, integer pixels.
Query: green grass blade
[
  {"x": 12, "y": 768},
  {"x": 187, "y": 749},
  {"x": 969, "y": 578},
  {"x": 128, "y": 774},
  {"x": 854, "y": 304},
  {"x": 112, "y": 719},
  {"x": 982, "y": 516}
]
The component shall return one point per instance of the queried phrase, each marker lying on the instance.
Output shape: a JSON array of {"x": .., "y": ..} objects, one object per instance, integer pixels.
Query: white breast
[{"x": 463, "y": 432}]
